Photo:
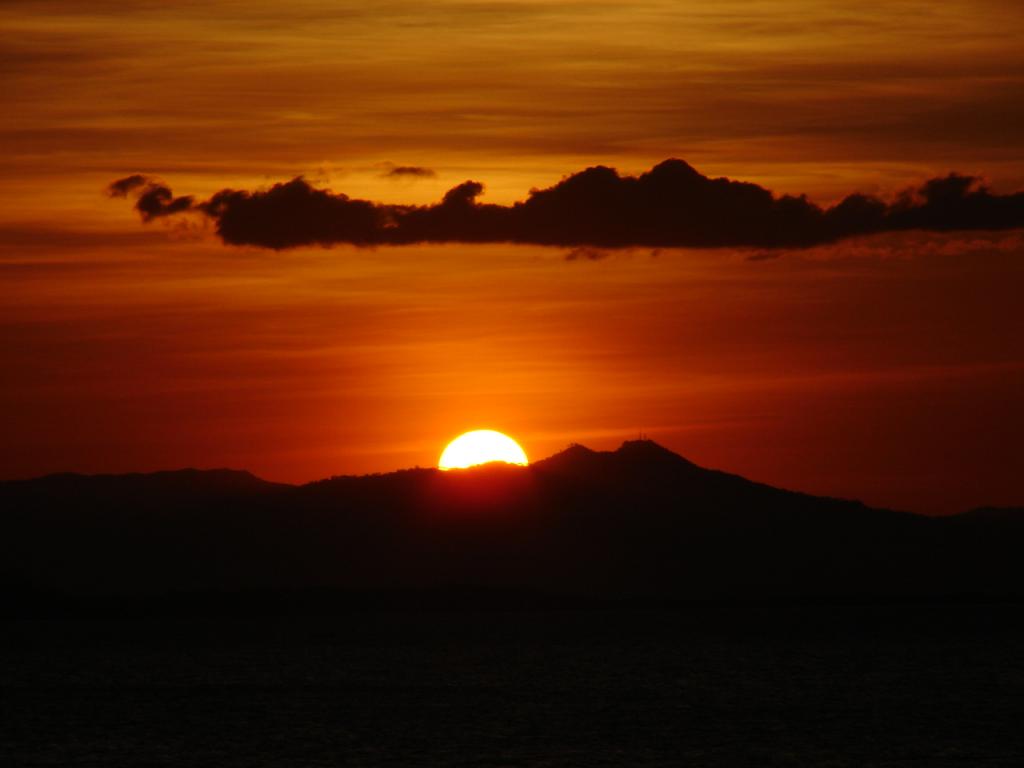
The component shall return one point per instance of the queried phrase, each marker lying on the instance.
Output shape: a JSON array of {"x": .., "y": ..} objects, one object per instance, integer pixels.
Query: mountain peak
[
  {"x": 647, "y": 450},
  {"x": 632, "y": 455},
  {"x": 575, "y": 456},
  {"x": 575, "y": 450},
  {"x": 642, "y": 443}
]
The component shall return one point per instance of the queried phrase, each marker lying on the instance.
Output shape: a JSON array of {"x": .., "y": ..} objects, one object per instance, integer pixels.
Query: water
[{"x": 761, "y": 686}]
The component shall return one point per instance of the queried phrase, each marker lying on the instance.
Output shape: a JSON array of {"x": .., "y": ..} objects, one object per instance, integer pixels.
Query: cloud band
[{"x": 671, "y": 205}]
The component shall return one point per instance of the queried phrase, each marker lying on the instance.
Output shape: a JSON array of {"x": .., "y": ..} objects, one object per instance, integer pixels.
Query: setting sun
[{"x": 480, "y": 447}]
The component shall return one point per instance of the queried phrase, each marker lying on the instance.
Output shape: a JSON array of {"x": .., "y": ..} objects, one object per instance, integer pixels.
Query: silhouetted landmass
[
  {"x": 671, "y": 205},
  {"x": 637, "y": 524},
  {"x": 996, "y": 514}
]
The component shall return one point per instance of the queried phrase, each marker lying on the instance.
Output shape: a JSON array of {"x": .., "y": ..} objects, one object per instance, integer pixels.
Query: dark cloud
[
  {"x": 294, "y": 213},
  {"x": 152, "y": 198},
  {"x": 409, "y": 171},
  {"x": 586, "y": 253},
  {"x": 672, "y": 205},
  {"x": 122, "y": 187}
]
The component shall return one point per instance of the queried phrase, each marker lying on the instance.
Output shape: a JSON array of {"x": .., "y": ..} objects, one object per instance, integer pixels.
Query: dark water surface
[{"x": 936, "y": 685}]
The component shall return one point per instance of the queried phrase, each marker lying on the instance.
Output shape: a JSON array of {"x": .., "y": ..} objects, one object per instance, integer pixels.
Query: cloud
[
  {"x": 122, "y": 187},
  {"x": 586, "y": 253},
  {"x": 409, "y": 172},
  {"x": 294, "y": 213},
  {"x": 152, "y": 198},
  {"x": 671, "y": 205}
]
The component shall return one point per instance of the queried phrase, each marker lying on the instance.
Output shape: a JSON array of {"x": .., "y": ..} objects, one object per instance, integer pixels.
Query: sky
[{"x": 881, "y": 360}]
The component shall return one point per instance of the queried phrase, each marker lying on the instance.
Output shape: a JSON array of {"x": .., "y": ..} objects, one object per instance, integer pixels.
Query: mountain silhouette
[{"x": 640, "y": 523}]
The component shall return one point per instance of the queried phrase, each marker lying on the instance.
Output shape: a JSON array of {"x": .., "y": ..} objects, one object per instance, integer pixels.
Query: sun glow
[{"x": 480, "y": 447}]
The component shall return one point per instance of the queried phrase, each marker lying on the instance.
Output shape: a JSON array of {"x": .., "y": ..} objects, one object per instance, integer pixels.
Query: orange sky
[{"x": 889, "y": 368}]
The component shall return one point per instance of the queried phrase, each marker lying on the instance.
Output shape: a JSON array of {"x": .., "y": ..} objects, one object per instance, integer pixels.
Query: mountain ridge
[
  {"x": 640, "y": 522},
  {"x": 568, "y": 459}
]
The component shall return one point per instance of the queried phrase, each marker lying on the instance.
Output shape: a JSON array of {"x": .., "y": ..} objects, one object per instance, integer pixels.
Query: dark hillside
[{"x": 639, "y": 523}]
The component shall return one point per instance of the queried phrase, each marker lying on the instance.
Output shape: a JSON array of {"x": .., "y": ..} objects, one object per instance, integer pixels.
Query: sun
[{"x": 479, "y": 447}]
